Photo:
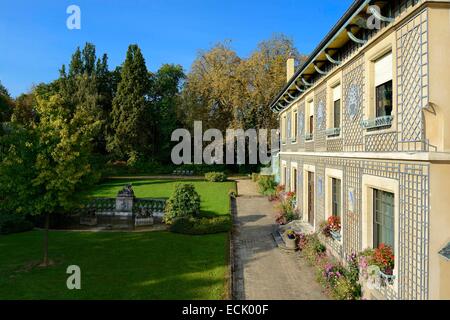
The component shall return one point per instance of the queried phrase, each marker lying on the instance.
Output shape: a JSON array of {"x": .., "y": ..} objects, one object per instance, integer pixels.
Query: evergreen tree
[
  {"x": 165, "y": 97},
  {"x": 6, "y": 106},
  {"x": 24, "y": 112},
  {"x": 130, "y": 110},
  {"x": 89, "y": 85}
]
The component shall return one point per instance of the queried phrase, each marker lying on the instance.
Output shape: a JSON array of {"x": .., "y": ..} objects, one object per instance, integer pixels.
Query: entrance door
[{"x": 311, "y": 198}]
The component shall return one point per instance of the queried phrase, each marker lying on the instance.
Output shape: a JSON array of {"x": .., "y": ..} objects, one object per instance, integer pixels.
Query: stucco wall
[
  {"x": 438, "y": 120},
  {"x": 439, "y": 230}
]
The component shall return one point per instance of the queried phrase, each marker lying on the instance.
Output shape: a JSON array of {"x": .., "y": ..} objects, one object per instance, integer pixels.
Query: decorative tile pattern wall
[
  {"x": 353, "y": 102},
  {"x": 412, "y": 82},
  {"x": 414, "y": 211}
]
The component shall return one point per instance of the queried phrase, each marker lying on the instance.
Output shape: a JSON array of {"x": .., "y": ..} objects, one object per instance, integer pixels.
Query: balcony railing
[
  {"x": 333, "y": 132},
  {"x": 309, "y": 136},
  {"x": 379, "y": 122}
]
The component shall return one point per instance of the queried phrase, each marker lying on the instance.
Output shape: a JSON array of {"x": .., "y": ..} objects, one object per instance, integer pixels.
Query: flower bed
[
  {"x": 286, "y": 211},
  {"x": 341, "y": 282},
  {"x": 344, "y": 282}
]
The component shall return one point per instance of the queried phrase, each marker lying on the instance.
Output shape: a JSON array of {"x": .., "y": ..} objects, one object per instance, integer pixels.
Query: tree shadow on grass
[{"x": 157, "y": 265}]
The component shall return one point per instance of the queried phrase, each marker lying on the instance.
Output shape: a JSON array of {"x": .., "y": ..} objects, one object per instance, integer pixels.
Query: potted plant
[{"x": 290, "y": 239}]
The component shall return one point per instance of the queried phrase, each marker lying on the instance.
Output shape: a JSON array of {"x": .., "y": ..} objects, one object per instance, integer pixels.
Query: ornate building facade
[{"x": 365, "y": 131}]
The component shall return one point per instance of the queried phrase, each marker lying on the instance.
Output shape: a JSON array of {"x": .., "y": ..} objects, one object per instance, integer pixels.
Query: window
[
  {"x": 295, "y": 126},
  {"x": 336, "y": 197},
  {"x": 311, "y": 124},
  {"x": 384, "y": 100},
  {"x": 383, "y": 86},
  {"x": 337, "y": 106},
  {"x": 337, "y": 114},
  {"x": 283, "y": 130},
  {"x": 309, "y": 120},
  {"x": 288, "y": 128},
  {"x": 294, "y": 181},
  {"x": 383, "y": 218}
]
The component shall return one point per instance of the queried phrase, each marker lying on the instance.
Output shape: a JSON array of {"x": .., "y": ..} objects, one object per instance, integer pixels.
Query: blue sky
[{"x": 35, "y": 42}]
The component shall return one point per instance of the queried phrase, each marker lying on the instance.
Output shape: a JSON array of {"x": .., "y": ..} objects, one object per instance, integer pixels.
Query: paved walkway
[{"x": 261, "y": 270}]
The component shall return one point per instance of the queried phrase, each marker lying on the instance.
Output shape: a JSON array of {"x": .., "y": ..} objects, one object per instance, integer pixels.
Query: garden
[
  {"x": 342, "y": 280},
  {"x": 174, "y": 264}
]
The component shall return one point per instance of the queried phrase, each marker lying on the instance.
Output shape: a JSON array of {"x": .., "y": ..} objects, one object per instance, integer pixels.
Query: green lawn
[
  {"x": 214, "y": 196},
  {"x": 123, "y": 265},
  {"x": 115, "y": 265}
]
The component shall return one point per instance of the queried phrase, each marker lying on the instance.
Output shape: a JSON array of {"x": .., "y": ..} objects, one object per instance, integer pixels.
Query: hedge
[
  {"x": 11, "y": 223},
  {"x": 200, "y": 226}
]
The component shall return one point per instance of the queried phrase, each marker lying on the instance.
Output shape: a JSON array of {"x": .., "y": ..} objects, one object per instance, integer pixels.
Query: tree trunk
[{"x": 45, "y": 262}]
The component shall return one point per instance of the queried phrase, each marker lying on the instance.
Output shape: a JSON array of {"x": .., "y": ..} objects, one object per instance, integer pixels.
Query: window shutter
[
  {"x": 337, "y": 93},
  {"x": 383, "y": 70},
  {"x": 311, "y": 108}
]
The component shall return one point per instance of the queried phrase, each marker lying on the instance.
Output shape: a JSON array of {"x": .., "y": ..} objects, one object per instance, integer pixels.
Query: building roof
[{"x": 341, "y": 33}]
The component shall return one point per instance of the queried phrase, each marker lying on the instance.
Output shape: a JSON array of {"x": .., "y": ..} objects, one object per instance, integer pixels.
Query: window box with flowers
[
  {"x": 332, "y": 228},
  {"x": 377, "y": 266}
]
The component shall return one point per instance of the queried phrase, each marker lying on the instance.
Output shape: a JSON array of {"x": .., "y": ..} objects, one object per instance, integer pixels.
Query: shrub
[
  {"x": 313, "y": 249},
  {"x": 346, "y": 289},
  {"x": 13, "y": 223},
  {"x": 215, "y": 176},
  {"x": 302, "y": 239},
  {"x": 255, "y": 177},
  {"x": 185, "y": 201},
  {"x": 267, "y": 185},
  {"x": 342, "y": 282},
  {"x": 286, "y": 209},
  {"x": 199, "y": 226}
]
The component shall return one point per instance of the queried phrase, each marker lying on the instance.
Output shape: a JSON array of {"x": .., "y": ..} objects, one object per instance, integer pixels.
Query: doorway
[{"x": 311, "y": 198}]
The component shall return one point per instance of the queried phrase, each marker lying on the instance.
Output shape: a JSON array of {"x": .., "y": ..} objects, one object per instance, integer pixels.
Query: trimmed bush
[
  {"x": 184, "y": 202},
  {"x": 215, "y": 177},
  {"x": 267, "y": 185},
  {"x": 12, "y": 223},
  {"x": 199, "y": 226},
  {"x": 313, "y": 249}
]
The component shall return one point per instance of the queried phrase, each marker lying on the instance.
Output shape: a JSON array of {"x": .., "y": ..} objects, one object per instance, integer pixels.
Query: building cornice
[{"x": 404, "y": 156}]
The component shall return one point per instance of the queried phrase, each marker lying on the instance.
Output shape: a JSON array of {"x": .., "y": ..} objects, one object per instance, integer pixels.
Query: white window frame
[
  {"x": 309, "y": 168},
  {"x": 389, "y": 185},
  {"x": 329, "y": 175}
]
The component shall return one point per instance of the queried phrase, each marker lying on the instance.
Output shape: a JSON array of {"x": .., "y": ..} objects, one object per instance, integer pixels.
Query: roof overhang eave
[{"x": 340, "y": 27}]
